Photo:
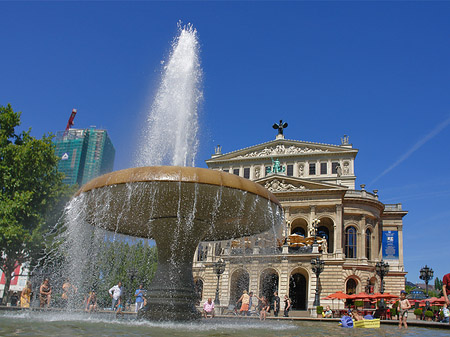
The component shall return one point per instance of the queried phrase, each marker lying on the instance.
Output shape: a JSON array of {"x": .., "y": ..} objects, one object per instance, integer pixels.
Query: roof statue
[{"x": 280, "y": 127}]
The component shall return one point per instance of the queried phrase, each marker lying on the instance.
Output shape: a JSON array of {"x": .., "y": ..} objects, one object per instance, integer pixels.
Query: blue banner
[{"x": 390, "y": 245}]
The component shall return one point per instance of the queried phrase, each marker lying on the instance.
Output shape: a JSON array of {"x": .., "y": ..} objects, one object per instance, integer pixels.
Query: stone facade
[{"x": 312, "y": 181}]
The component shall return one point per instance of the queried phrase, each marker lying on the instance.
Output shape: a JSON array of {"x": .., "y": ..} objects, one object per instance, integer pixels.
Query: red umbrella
[
  {"x": 385, "y": 296},
  {"x": 433, "y": 300},
  {"x": 360, "y": 296},
  {"x": 338, "y": 295}
]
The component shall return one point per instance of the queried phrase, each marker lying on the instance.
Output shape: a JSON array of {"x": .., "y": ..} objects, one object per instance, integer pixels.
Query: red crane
[{"x": 70, "y": 122}]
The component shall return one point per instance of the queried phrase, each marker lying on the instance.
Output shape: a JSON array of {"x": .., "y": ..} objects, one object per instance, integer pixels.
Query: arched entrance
[
  {"x": 239, "y": 282},
  {"x": 298, "y": 290},
  {"x": 268, "y": 284},
  {"x": 326, "y": 230},
  {"x": 350, "y": 287},
  {"x": 198, "y": 288},
  {"x": 299, "y": 226}
]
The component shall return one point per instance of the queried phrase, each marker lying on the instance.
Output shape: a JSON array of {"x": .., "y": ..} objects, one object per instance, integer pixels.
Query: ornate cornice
[
  {"x": 280, "y": 186},
  {"x": 281, "y": 149}
]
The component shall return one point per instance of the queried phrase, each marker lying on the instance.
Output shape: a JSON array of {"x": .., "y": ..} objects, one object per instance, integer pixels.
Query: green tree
[
  {"x": 32, "y": 191},
  {"x": 438, "y": 283}
]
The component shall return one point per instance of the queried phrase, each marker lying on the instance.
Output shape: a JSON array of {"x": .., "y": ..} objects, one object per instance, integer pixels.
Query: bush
[
  {"x": 418, "y": 311},
  {"x": 393, "y": 311},
  {"x": 319, "y": 310},
  {"x": 359, "y": 304},
  {"x": 429, "y": 314}
]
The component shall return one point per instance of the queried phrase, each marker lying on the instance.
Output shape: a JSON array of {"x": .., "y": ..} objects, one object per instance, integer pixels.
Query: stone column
[
  {"x": 312, "y": 216},
  {"x": 338, "y": 231}
]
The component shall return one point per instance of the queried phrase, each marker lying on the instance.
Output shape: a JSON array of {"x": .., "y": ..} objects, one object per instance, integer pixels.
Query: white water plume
[{"x": 170, "y": 133}]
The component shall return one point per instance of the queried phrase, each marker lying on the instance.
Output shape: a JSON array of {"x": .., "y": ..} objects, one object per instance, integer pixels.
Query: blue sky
[{"x": 376, "y": 71}]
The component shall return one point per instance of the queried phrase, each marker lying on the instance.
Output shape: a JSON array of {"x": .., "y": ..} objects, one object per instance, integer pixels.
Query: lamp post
[
  {"x": 317, "y": 268},
  {"x": 219, "y": 268},
  {"x": 426, "y": 274},
  {"x": 382, "y": 269},
  {"x": 315, "y": 224}
]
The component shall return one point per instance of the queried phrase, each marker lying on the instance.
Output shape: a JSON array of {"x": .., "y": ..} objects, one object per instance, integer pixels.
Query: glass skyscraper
[{"x": 84, "y": 153}]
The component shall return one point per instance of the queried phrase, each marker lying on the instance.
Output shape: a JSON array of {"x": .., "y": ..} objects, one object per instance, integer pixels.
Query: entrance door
[
  {"x": 268, "y": 284},
  {"x": 298, "y": 291}
]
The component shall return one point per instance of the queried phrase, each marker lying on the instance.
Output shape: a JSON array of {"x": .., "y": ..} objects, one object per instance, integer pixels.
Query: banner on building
[{"x": 390, "y": 245}]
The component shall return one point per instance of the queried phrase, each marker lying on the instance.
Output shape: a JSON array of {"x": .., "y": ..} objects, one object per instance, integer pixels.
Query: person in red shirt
[{"x": 446, "y": 288}]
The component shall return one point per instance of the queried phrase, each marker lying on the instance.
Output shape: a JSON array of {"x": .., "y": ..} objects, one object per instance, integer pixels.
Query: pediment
[
  {"x": 277, "y": 183},
  {"x": 283, "y": 148}
]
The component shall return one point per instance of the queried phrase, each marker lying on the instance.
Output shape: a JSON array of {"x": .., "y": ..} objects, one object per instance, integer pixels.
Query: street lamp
[
  {"x": 315, "y": 224},
  {"x": 219, "y": 268},
  {"x": 317, "y": 268},
  {"x": 382, "y": 269},
  {"x": 426, "y": 274}
]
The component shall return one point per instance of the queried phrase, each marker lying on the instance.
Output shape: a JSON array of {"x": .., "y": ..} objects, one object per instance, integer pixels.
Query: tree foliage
[{"x": 32, "y": 191}]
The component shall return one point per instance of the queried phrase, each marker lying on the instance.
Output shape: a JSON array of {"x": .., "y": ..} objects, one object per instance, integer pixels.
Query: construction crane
[{"x": 70, "y": 122}]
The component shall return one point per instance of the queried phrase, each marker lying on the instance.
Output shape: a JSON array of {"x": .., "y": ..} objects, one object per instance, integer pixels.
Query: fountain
[{"x": 177, "y": 206}]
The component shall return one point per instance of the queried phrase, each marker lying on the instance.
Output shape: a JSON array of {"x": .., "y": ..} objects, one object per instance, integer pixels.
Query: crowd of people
[{"x": 69, "y": 291}]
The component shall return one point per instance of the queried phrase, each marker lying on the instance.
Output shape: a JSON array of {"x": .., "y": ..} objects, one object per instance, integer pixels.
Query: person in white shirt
[{"x": 115, "y": 293}]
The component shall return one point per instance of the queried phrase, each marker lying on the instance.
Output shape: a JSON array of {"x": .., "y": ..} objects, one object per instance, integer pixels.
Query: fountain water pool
[{"x": 43, "y": 324}]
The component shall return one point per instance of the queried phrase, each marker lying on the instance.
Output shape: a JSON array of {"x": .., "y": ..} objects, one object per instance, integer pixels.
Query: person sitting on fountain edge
[{"x": 208, "y": 308}]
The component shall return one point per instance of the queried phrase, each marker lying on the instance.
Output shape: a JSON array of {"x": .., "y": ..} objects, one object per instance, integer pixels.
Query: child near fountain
[{"x": 403, "y": 305}]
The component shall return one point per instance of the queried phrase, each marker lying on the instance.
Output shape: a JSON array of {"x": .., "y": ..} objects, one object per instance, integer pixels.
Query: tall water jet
[{"x": 170, "y": 132}]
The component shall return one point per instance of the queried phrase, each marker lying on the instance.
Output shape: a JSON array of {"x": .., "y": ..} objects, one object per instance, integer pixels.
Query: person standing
[
  {"x": 139, "y": 294},
  {"x": 287, "y": 305},
  {"x": 446, "y": 288},
  {"x": 403, "y": 305},
  {"x": 115, "y": 293},
  {"x": 250, "y": 303},
  {"x": 445, "y": 314},
  {"x": 276, "y": 304},
  {"x": 25, "y": 296},
  {"x": 45, "y": 293},
  {"x": 245, "y": 299},
  {"x": 69, "y": 290}
]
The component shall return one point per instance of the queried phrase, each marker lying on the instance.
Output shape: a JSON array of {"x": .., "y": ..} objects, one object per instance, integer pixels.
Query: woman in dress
[{"x": 25, "y": 296}]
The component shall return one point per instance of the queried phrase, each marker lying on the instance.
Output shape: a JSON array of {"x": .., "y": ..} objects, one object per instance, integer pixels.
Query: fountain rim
[{"x": 178, "y": 174}]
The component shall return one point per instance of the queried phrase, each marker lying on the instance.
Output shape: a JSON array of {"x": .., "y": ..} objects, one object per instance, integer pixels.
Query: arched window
[
  {"x": 351, "y": 286},
  {"x": 368, "y": 241},
  {"x": 350, "y": 242}
]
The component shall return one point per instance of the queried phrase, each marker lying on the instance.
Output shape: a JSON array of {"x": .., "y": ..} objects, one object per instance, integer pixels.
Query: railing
[
  {"x": 360, "y": 194},
  {"x": 270, "y": 251},
  {"x": 393, "y": 207}
]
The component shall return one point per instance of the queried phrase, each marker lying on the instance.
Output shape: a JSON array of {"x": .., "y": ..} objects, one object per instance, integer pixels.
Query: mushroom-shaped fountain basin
[{"x": 178, "y": 207}]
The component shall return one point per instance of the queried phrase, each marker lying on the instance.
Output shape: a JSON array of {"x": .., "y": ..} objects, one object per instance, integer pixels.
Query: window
[
  {"x": 236, "y": 171},
  {"x": 290, "y": 170},
  {"x": 368, "y": 241},
  {"x": 351, "y": 287},
  {"x": 226, "y": 170},
  {"x": 323, "y": 168},
  {"x": 268, "y": 170},
  {"x": 334, "y": 167},
  {"x": 312, "y": 169},
  {"x": 247, "y": 172},
  {"x": 350, "y": 242}
]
